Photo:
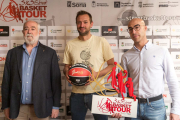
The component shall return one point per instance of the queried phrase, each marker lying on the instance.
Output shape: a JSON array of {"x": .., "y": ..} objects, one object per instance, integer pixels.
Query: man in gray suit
[{"x": 31, "y": 87}]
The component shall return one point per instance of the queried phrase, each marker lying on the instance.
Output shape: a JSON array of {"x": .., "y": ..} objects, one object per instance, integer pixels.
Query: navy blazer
[{"x": 46, "y": 83}]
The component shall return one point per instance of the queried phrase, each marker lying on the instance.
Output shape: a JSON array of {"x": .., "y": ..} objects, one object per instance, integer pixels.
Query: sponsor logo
[
  {"x": 157, "y": 43},
  {"x": 68, "y": 3},
  {"x": 177, "y": 56},
  {"x": 17, "y": 10},
  {"x": 3, "y": 45},
  {"x": 42, "y": 29},
  {"x": 76, "y": 4},
  {"x": 177, "y": 68},
  {"x": 166, "y": 106},
  {"x": 94, "y": 4},
  {"x": 4, "y": 30},
  {"x": 117, "y": 4},
  {"x": 148, "y": 29},
  {"x": 94, "y": 30},
  {"x": 109, "y": 30},
  {"x": 169, "y": 4},
  {"x": 123, "y": 30},
  {"x": 56, "y": 31},
  {"x": 72, "y": 31},
  {"x": 141, "y": 4},
  {"x": 55, "y": 45},
  {"x": 122, "y": 44},
  {"x": 14, "y": 31},
  {"x": 164, "y": 5},
  {"x": 2, "y": 58},
  {"x": 161, "y": 30},
  {"x": 112, "y": 44}
]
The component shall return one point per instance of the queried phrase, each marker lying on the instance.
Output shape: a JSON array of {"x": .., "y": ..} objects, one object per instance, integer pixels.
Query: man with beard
[
  {"x": 31, "y": 86},
  {"x": 92, "y": 51}
]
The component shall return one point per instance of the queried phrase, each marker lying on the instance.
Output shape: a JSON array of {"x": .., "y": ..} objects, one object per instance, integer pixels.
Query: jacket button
[
  {"x": 19, "y": 93},
  {"x": 20, "y": 81}
]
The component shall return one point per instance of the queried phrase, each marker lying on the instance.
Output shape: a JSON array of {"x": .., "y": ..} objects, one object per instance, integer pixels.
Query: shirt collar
[
  {"x": 146, "y": 46},
  {"x": 24, "y": 45}
]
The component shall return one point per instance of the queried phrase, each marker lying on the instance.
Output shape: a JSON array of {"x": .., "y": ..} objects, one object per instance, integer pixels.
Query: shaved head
[
  {"x": 136, "y": 20},
  {"x": 137, "y": 31}
]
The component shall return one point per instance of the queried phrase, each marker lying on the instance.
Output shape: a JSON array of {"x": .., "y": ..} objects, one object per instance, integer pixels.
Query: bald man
[{"x": 146, "y": 64}]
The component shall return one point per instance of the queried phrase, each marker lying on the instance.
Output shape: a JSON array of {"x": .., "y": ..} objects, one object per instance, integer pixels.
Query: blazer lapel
[
  {"x": 19, "y": 54},
  {"x": 39, "y": 57}
]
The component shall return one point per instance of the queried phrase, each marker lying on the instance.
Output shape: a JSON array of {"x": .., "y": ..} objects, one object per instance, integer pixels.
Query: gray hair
[{"x": 33, "y": 21}]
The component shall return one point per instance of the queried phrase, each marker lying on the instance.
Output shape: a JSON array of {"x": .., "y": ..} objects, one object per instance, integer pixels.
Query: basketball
[{"x": 79, "y": 74}]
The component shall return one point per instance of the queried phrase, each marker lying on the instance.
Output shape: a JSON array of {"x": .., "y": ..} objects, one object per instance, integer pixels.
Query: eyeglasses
[{"x": 136, "y": 28}]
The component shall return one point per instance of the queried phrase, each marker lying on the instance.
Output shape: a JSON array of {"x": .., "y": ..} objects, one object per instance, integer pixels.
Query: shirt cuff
[{"x": 55, "y": 107}]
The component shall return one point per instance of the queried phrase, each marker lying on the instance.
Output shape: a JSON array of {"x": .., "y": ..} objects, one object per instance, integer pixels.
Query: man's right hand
[
  {"x": 6, "y": 113},
  {"x": 66, "y": 70}
]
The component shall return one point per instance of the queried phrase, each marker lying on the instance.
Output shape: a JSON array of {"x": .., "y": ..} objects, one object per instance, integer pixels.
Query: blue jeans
[
  {"x": 80, "y": 103},
  {"x": 151, "y": 111}
]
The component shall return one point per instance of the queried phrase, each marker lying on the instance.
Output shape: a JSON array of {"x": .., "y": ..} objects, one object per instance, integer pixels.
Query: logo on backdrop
[
  {"x": 2, "y": 58},
  {"x": 24, "y": 9},
  {"x": 109, "y": 30},
  {"x": 141, "y": 4},
  {"x": 169, "y": 4},
  {"x": 116, "y": 4},
  {"x": 76, "y": 4},
  {"x": 4, "y": 30},
  {"x": 177, "y": 56},
  {"x": 94, "y": 4}
]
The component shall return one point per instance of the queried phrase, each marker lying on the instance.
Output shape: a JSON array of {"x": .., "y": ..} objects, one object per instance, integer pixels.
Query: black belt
[{"x": 144, "y": 100}]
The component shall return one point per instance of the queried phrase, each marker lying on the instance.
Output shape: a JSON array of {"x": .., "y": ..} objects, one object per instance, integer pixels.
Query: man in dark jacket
[{"x": 31, "y": 87}]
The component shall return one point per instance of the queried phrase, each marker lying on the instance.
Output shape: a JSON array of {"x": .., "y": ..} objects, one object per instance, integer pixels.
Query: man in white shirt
[{"x": 147, "y": 64}]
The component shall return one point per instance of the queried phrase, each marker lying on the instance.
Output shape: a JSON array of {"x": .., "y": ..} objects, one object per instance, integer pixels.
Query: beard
[
  {"x": 84, "y": 33},
  {"x": 31, "y": 41}
]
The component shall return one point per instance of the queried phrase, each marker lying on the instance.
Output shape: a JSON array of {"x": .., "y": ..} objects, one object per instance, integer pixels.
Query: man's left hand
[
  {"x": 92, "y": 77},
  {"x": 55, "y": 113},
  {"x": 174, "y": 117}
]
